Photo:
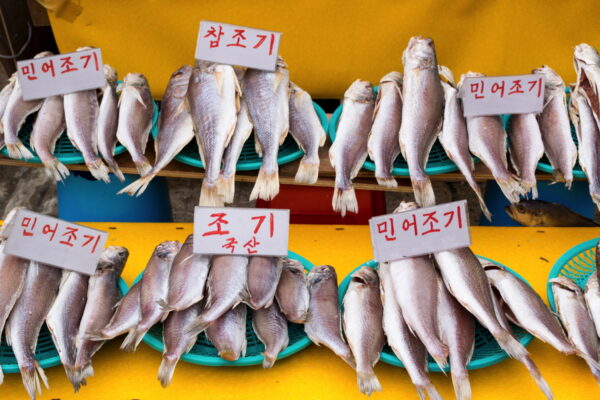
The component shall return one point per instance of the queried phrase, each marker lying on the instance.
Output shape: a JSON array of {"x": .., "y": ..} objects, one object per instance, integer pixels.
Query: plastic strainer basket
[
  {"x": 487, "y": 352},
  {"x": 45, "y": 352},
  {"x": 204, "y": 353},
  {"x": 577, "y": 264},
  {"x": 64, "y": 150},
  {"x": 438, "y": 162},
  {"x": 249, "y": 159}
]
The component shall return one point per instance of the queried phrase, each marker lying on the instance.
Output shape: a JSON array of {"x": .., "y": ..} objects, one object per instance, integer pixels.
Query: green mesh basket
[
  {"x": 577, "y": 264},
  {"x": 487, "y": 351},
  {"x": 438, "y": 162},
  {"x": 45, "y": 352},
  {"x": 249, "y": 159},
  {"x": 204, "y": 353},
  {"x": 64, "y": 149}
]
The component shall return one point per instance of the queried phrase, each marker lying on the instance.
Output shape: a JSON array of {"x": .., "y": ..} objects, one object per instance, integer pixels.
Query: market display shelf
[
  {"x": 577, "y": 264},
  {"x": 204, "y": 353},
  {"x": 64, "y": 149},
  {"x": 249, "y": 159},
  {"x": 487, "y": 351},
  {"x": 45, "y": 352}
]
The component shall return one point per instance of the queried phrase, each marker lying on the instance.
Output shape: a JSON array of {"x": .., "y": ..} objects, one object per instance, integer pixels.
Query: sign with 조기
[
  {"x": 61, "y": 74},
  {"x": 55, "y": 242},
  {"x": 494, "y": 95},
  {"x": 241, "y": 231},
  {"x": 420, "y": 231},
  {"x": 237, "y": 45}
]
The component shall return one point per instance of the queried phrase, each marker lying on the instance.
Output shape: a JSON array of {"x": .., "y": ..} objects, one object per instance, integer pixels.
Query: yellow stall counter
[
  {"x": 328, "y": 44},
  {"x": 316, "y": 373}
]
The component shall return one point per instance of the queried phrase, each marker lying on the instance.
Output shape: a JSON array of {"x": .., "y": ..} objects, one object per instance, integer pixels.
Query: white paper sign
[
  {"x": 55, "y": 242},
  {"x": 494, "y": 95},
  {"x": 242, "y": 231},
  {"x": 237, "y": 45},
  {"x": 61, "y": 74},
  {"x": 421, "y": 231}
]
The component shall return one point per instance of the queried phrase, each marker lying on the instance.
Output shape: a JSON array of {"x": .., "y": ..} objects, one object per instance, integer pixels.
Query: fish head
[
  {"x": 290, "y": 263},
  {"x": 366, "y": 276},
  {"x": 553, "y": 81},
  {"x": 526, "y": 212},
  {"x": 135, "y": 79},
  {"x": 420, "y": 53},
  {"x": 321, "y": 272},
  {"x": 562, "y": 283},
  {"x": 110, "y": 74},
  {"x": 585, "y": 54},
  {"x": 113, "y": 257},
  {"x": 406, "y": 206},
  {"x": 43, "y": 54},
  {"x": 189, "y": 239},
  {"x": 394, "y": 77},
  {"x": 167, "y": 249},
  {"x": 360, "y": 92},
  {"x": 182, "y": 74},
  {"x": 280, "y": 63},
  {"x": 84, "y": 48}
]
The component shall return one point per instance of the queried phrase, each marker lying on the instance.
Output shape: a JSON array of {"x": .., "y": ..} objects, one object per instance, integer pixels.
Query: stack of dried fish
[
  {"x": 70, "y": 303},
  {"x": 193, "y": 293}
]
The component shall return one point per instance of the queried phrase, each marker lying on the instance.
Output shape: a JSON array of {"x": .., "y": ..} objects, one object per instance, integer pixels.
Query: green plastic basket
[
  {"x": 64, "y": 149},
  {"x": 438, "y": 162},
  {"x": 45, "y": 352},
  {"x": 577, "y": 264},
  {"x": 487, "y": 352},
  {"x": 204, "y": 353},
  {"x": 249, "y": 159}
]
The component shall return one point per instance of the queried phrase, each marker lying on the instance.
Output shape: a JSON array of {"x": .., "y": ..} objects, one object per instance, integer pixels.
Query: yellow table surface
[{"x": 316, "y": 373}]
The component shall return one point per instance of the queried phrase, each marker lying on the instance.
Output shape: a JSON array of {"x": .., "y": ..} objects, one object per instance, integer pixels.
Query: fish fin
[
  {"x": 73, "y": 376},
  {"x": 283, "y": 136},
  {"x": 323, "y": 139},
  {"x": 368, "y": 382},
  {"x": 139, "y": 186},
  {"x": 18, "y": 151},
  {"x": 511, "y": 188},
  {"x": 277, "y": 81},
  {"x": 144, "y": 167},
  {"x": 430, "y": 390},
  {"x": 441, "y": 361},
  {"x": 377, "y": 105},
  {"x": 197, "y": 327},
  {"x": 266, "y": 186},
  {"x": 164, "y": 306},
  {"x": 137, "y": 94},
  {"x": 268, "y": 360},
  {"x": 132, "y": 340},
  {"x": 484, "y": 209},
  {"x": 183, "y": 106},
  {"x": 86, "y": 371},
  {"x": 447, "y": 74},
  {"x": 511, "y": 345},
  {"x": 98, "y": 170},
  {"x": 387, "y": 182},
  {"x": 219, "y": 79},
  {"x": 209, "y": 195},
  {"x": 244, "y": 346},
  {"x": 308, "y": 172},
  {"x": 344, "y": 200},
  {"x": 537, "y": 377},
  {"x": 593, "y": 364},
  {"x": 462, "y": 386},
  {"x": 114, "y": 168},
  {"x": 166, "y": 370},
  {"x": 226, "y": 188},
  {"x": 424, "y": 195},
  {"x": 1, "y": 375},
  {"x": 357, "y": 167},
  {"x": 96, "y": 336},
  {"x": 257, "y": 147},
  {"x": 56, "y": 169}
]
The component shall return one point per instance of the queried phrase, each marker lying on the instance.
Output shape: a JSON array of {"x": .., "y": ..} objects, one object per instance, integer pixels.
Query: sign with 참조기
[
  {"x": 237, "y": 45},
  {"x": 241, "y": 231},
  {"x": 55, "y": 242},
  {"x": 420, "y": 231},
  {"x": 495, "y": 95},
  {"x": 61, "y": 74}
]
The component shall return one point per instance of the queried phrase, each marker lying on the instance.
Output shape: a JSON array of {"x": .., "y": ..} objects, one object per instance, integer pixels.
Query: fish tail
[
  {"x": 139, "y": 186},
  {"x": 269, "y": 360},
  {"x": 226, "y": 188},
  {"x": 31, "y": 376},
  {"x": 511, "y": 188},
  {"x": 230, "y": 355},
  {"x": 114, "y": 168},
  {"x": 209, "y": 195},
  {"x": 132, "y": 340},
  {"x": 423, "y": 189},
  {"x": 266, "y": 186},
  {"x": 98, "y": 170},
  {"x": 537, "y": 377},
  {"x": 368, "y": 382},
  {"x": 511, "y": 345},
  {"x": 308, "y": 171},
  {"x": 74, "y": 375},
  {"x": 462, "y": 385},
  {"x": 344, "y": 200},
  {"x": 143, "y": 166},
  {"x": 56, "y": 169},
  {"x": 530, "y": 186},
  {"x": 386, "y": 181},
  {"x": 167, "y": 369},
  {"x": 18, "y": 151}
]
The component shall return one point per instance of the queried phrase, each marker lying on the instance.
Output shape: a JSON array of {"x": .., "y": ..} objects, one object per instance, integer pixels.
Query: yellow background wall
[{"x": 327, "y": 44}]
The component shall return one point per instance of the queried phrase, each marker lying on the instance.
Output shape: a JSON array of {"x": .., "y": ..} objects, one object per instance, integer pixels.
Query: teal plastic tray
[
  {"x": 438, "y": 162},
  {"x": 45, "y": 352},
  {"x": 204, "y": 353},
  {"x": 577, "y": 264},
  {"x": 64, "y": 149},
  {"x": 249, "y": 159},
  {"x": 487, "y": 352}
]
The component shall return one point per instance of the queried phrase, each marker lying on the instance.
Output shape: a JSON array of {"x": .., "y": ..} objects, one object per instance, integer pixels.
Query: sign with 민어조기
[
  {"x": 241, "y": 231},
  {"x": 494, "y": 95},
  {"x": 237, "y": 45},
  {"x": 61, "y": 74},
  {"x": 55, "y": 242},
  {"x": 420, "y": 231}
]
